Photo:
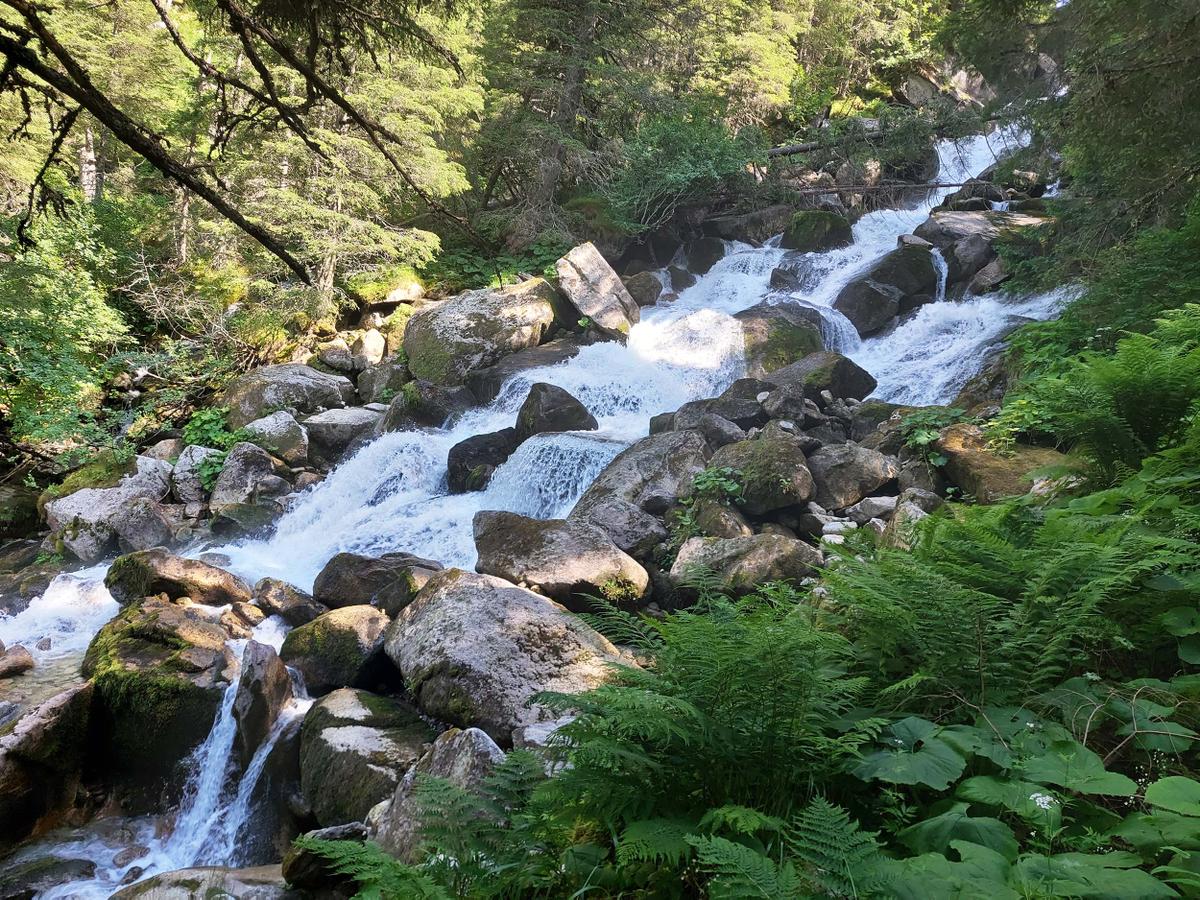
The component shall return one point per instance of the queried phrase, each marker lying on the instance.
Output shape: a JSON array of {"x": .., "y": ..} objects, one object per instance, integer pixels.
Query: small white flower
[
  {"x": 1091, "y": 676},
  {"x": 1043, "y": 801}
]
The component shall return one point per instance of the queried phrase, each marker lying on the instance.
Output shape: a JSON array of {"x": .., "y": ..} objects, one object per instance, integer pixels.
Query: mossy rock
[
  {"x": 817, "y": 230},
  {"x": 337, "y": 649},
  {"x": 104, "y": 470},
  {"x": 771, "y": 469}
]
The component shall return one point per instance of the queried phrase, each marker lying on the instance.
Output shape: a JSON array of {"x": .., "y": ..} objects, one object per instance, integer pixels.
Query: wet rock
[
  {"x": 464, "y": 757},
  {"x": 901, "y": 281},
  {"x": 990, "y": 277},
  {"x": 280, "y": 434},
  {"x": 681, "y": 279},
  {"x": 912, "y": 506},
  {"x": 350, "y": 579},
  {"x": 263, "y": 688},
  {"x": 944, "y": 228},
  {"x": 870, "y": 508},
  {"x": 826, "y": 371},
  {"x": 185, "y": 477},
  {"x": 986, "y": 474},
  {"x": 33, "y": 878},
  {"x": 777, "y": 335},
  {"x": 18, "y": 510},
  {"x": 331, "y": 432},
  {"x": 16, "y": 555},
  {"x": 474, "y": 650},
  {"x": 380, "y": 383},
  {"x": 844, "y": 474},
  {"x": 965, "y": 257},
  {"x": 446, "y": 342},
  {"x": 550, "y": 408},
  {"x": 596, "y": 292},
  {"x": 485, "y": 384},
  {"x": 817, "y": 230},
  {"x": 340, "y": 648},
  {"x": 644, "y": 288},
  {"x": 704, "y": 253},
  {"x": 650, "y": 471},
  {"x": 248, "y": 477},
  {"x": 148, "y": 572},
  {"x": 278, "y": 598},
  {"x": 15, "y": 661},
  {"x": 560, "y": 558},
  {"x": 85, "y": 520},
  {"x": 354, "y": 748},
  {"x": 752, "y": 227},
  {"x": 866, "y": 418},
  {"x": 422, "y": 404},
  {"x": 471, "y": 462},
  {"x": 744, "y": 563},
  {"x": 289, "y": 386},
  {"x": 203, "y": 882},
  {"x": 772, "y": 471}
]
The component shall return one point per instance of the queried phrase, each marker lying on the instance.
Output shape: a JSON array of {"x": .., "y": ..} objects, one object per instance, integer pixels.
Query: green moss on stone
[
  {"x": 105, "y": 469},
  {"x": 786, "y": 343},
  {"x": 813, "y": 230}
]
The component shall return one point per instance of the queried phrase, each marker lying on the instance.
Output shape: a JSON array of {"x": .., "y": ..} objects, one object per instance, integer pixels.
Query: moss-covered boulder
[
  {"x": 988, "y": 474},
  {"x": 777, "y": 335},
  {"x": 289, "y": 386},
  {"x": 846, "y": 473},
  {"x": 771, "y": 468},
  {"x": 446, "y": 342},
  {"x": 340, "y": 648},
  {"x": 160, "y": 671},
  {"x": 744, "y": 563},
  {"x": 137, "y": 575},
  {"x": 18, "y": 511},
  {"x": 354, "y": 749},
  {"x": 816, "y": 230}
]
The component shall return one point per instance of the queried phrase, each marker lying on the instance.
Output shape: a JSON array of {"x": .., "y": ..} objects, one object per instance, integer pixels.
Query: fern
[
  {"x": 620, "y": 626},
  {"x": 737, "y": 872},
  {"x": 832, "y": 852},
  {"x": 377, "y": 875},
  {"x": 655, "y": 841}
]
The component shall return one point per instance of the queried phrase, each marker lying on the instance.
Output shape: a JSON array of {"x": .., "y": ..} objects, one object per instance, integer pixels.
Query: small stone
[{"x": 43, "y": 644}]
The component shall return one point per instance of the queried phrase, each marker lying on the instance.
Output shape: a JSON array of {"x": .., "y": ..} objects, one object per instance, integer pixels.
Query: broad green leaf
[
  {"x": 1175, "y": 793},
  {"x": 1030, "y": 801},
  {"x": 1150, "y": 832},
  {"x": 1182, "y": 621},
  {"x": 916, "y": 755},
  {"x": 982, "y": 875},
  {"x": 1071, "y": 765},
  {"x": 1078, "y": 875},
  {"x": 936, "y": 834}
]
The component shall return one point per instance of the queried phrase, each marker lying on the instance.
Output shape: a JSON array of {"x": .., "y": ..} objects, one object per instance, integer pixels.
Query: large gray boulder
[
  {"x": 464, "y": 757},
  {"x": 185, "y": 477},
  {"x": 381, "y": 382},
  {"x": 447, "y": 341},
  {"x": 560, "y": 558},
  {"x": 901, "y": 281},
  {"x": 471, "y": 463},
  {"x": 752, "y": 227},
  {"x": 368, "y": 349},
  {"x": 248, "y": 477},
  {"x": 965, "y": 258},
  {"x": 817, "y": 230},
  {"x": 280, "y": 434},
  {"x": 354, "y": 748},
  {"x": 778, "y": 334},
  {"x": 330, "y": 433},
  {"x": 846, "y": 473},
  {"x": 423, "y": 404},
  {"x": 772, "y": 470},
  {"x": 550, "y": 408},
  {"x": 148, "y": 572},
  {"x": 288, "y": 386},
  {"x": 640, "y": 484},
  {"x": 474, "y": 650},
  {"x": 944, "y": 228},
  {"x": 826, "y": 371},
  {"x": 278, "y": 598},
  {"x": 596, "y": 291},
  {"x": 742, "y": 564},
  {"x": 258, "y": 883},
  {"x": 340, "y": 648},
  {"x": 85, "y": 521},
  {"x": 388, "y": 582},
  {"x": 142, "y": 523}
]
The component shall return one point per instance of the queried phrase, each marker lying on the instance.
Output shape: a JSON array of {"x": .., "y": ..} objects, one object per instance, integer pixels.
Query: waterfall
[{"x": 943, "y": 274}]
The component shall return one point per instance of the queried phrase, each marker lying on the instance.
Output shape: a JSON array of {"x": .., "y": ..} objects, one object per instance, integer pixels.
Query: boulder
[
  {"x": 817, "y": 230},
  {"x": 485, "y": 384},
  {"x": 718, "y": 520},
  {"x": 288, "y": 386},
  {"x": 447, "y": 341},
  {"x": 826, "y": 371},
  {"x": 644, "y": 288},
  {"x": 18, "y": 510},
  {"x": 340, "y": 648},
  {"x": 901, "y": 281},
  {"x": 870, "y": 508},
  {"x": 185, "y": 477},
  {"x": 966, "y": 257},
  {"x": 84, "y": 521},
  {"x": 912, "y": 506},
  {"x": 15, "y": 661},
  {"x": 248, "y": 477},
  {"x": 29, "y": 878},
  {"x": 147, "y": 572},
  {"x": 279, "y": 434},
  {"x": 423, "y": 404},
  {"x": 142, "y": 523},
  {"x": 471, "y": 462},
  {"x": 681, "y": 278},
  {"x": 777, "y": 335},
  {"x": 771, "y": 469},
  {"x": 368, "y": 349},
  {"x": 744, "y": 563},
  {"x": 944, "y": 228},
  {"x": 474, "y": 650},
  {"x": 844, "y": 474},
  {"x": 975, "y": 189},
  {"x": 550, "y": 408},
  {"x": 159, "y": 670},
  {"x": 464, "y": 757},
  {"x": 560, "y": 558},
  {"x": 258, "y": 883},
  {"x": 335, "y": 354},
  {"x": 41, "y": 759},
  {"x": 990, "y": 277},
  {"x": 703, "y": 253},
  {"x": 351, "y": 579},
  {"x": 278, "y": 598},
  {"x": 354, "y": 748},
  {"x": 596, "y": 291},
  {"x": 987, "y": 474},
  {"x": 649, "y": 474},
  {"x": 381, "y": 382},
  {"x": 264, "y": 686},
  {"x": 331, "y": 432},
  {"x": 752, "y": 227}
]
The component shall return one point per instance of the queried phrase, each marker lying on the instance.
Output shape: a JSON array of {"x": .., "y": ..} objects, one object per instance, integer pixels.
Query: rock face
[
  {"x": 278, "y": 598},
  {"x": 550, "y": 408},
  {"x": 845, "y": 473},
  {"x": 422, "y": 404},
  {"x": 702, "y": 254},
  {"x": 474, "y": 649},
  {"x": 143, "y": 523},
  {"x": 354, "y": 748},
  {"x": 159, "y": 672},
  {"x": 901, "y": 281},
  {"x": 556, "y": 557},
  {"x": 464, "y": 757},
  {"x": 472, "y": 462},
  {"x": 337, "y": 649},
  {"x": 777, "y": 335},
  {"x": 596, "y": 291},
  {"x": 280, "y": 434},
  {"x": 446, "y": 342},
  {"x": 40, "y": 763},
  {"x": 331, "y": 432},
  {"x": 744, "y": 563},
  {"x": 264, "y": 686},
  {"x": 753, "y": 227},
  {"x": 248, "y": 477},
  {"x": 943, "y": 228},
  {"x": 287, "y": 386},
  {"x": 986, "y": 474},
  {"x": 772, "y": 468},
  {"x": 381, "y": 382},
  {"x": 826, "y": 371},
  {"x": 816, "y": 230},
  {"x": 260, "y": 883},
  {"x": 85, "y": 521},
  {"x": 148, "y": 572},
  {"x": 387, "y": 582},
  {"x": 648, "y": 475},
  {"x": 485, "y": 384}
]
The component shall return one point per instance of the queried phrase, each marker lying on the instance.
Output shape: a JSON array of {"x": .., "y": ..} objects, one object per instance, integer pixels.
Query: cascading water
[{"x": 392, "y": 494}]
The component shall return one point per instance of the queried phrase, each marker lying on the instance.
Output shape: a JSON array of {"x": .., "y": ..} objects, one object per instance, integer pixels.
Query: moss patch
[
  {"x": 786, "y": 343},
  {"x": 813, "y": 230},
  {"x": 105, "y": 469}
]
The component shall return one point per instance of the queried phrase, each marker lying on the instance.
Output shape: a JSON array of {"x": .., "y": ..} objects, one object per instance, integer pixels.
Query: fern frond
[
  {"x": 831, "y": 851},
  {"x": 737, "y": 872}
]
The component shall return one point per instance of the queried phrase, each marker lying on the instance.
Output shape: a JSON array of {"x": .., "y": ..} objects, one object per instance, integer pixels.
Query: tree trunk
[{"x": 91, "y": 180}]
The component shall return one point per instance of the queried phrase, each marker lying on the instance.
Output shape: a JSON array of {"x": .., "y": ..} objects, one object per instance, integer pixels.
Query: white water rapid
[{"x": 392, "y": 494}]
